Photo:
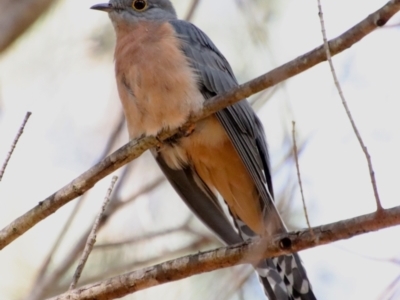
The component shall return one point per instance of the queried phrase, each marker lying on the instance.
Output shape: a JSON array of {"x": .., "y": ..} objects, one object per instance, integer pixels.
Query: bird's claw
[
  {"x": 187, "y": 130},
  {"x": 159, "y": 144}
]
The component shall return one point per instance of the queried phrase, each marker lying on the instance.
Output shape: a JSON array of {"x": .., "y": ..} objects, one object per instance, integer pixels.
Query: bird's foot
[
  {"x": 159, "y": 144},
  {"x": 186, "y": 131}
]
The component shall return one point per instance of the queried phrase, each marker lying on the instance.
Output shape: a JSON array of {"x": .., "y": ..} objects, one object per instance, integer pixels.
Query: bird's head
[{"x": 137, "y": 10}]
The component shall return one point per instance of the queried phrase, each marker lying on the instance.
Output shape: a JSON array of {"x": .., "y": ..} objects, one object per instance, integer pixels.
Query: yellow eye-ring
[{"x": 139, "y": 5}]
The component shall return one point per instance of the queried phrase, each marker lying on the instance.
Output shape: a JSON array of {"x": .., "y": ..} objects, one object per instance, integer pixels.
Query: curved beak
[{"x": 107, "y": 7}]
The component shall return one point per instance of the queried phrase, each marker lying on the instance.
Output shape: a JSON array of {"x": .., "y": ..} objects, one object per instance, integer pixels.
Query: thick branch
[
  {"x": 229, "y": 256},
  {"x": 134, "y": 149}
]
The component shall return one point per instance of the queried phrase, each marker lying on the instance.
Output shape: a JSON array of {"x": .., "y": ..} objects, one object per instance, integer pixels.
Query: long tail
[{"x": 283, "y": 277}]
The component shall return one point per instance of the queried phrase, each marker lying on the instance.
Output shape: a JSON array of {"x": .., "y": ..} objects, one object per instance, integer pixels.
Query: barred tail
[{"x": 283, "y": 277}]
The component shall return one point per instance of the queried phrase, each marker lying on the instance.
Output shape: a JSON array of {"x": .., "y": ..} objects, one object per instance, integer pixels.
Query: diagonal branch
[
  {"x": 92, "y": 236},
  {"x": 192, "y": 9},
  {"x": 41, "y": 287},
  {"x": 134, "y": 149},
  {"x": 14, "y": 144},
  {"x": 248, "y": 252},
  {"x": 17, "y": 16}
]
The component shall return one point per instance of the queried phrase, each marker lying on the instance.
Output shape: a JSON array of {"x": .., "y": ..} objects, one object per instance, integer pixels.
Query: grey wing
[
  {"x": 239, "y": 120},
  {"x": 200, "y": 200},
  {"x": 247, "y": 135}
]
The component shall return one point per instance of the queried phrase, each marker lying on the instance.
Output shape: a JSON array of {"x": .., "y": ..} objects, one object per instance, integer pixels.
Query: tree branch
[
  {"x": 248, "y": 252},
  {"x": 17, "y": 16},
  {"x": 92, "y": 236},
  {"x": 41, "y": 287},
  {"x": 192, "y": 9},
  {"x": 198, "y": 243},
  {"x": 134, "y": 149},
  {"x": 14, "y": 144}
]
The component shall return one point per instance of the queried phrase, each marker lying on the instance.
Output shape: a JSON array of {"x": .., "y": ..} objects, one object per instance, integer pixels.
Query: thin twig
[
  {"x": 108, "y": 147},
  {"x": 14, "y": 144},
  {"x": 263, "y": 97},
  {"x": 281, "y": 163},
  {"x": 392, "y": 260},
  {"x": 46, "y": 262},
  {"x": 115, "y": 133},
  {"x": 92, "y": 236},
  {"x": 135, "y": 148},
  {"x": 144, "y": 238},
  {"x": 256, "y": 25},
  {"x": 41, "y": 289},
  {"x": 240, "y": 276},
  {"x": 296, "y": 159},
  {"x": 390, "y": 290},
  {"x": 146, "y": 189},
  {"x": 346, "y": 107},
  {"x": 184, "y": 267},
  {"x": 192, "y": 10}
]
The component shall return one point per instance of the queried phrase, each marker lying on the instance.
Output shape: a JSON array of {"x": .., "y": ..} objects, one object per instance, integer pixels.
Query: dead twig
[
  {"x": 192, "y": 10},
  {"x": 391, "y": 290},
  {"x": 296, "y": 159},
  {"x": 14, "y": 144},
  {"x": 347, "y": 109},
  {"x": 231, "y": 287},
  {"x": 135, "y": 240},
  {"x": 92, "y": 236}
]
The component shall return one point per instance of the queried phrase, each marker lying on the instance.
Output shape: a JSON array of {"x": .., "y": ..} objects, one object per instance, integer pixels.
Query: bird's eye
[{"x": 139, "y": 5}]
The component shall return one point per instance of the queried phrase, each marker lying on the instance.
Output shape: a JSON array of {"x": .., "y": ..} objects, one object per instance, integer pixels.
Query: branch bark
[
  {"x": 248, "y": 252},
  {"x": 42, "y": 286},
  {"x": 134, "y": 149}
]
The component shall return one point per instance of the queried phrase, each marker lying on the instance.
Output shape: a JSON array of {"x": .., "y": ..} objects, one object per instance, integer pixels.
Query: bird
[{"x": 166, "y": 69}]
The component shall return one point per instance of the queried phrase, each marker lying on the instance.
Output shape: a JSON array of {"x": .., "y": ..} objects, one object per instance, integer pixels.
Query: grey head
[{"x": 137, "y": 10}]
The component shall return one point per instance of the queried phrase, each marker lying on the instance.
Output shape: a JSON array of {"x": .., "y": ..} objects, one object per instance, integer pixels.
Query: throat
[{"x": 157, "y": 87}]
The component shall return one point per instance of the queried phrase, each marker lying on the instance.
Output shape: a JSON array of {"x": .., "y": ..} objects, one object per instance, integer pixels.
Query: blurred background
[{"x": 61, "y": 69}]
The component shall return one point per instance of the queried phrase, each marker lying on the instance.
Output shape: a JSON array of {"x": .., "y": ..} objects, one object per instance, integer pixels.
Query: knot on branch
[{"x": 285, "y": 243}]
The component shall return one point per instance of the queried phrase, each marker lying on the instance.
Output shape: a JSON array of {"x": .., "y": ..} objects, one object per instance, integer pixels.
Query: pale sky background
[{"x": 58, "y": 71}]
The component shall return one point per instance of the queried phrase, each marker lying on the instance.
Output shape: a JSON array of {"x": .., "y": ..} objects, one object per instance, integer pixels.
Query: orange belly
[{"x": 218, "y": 164}]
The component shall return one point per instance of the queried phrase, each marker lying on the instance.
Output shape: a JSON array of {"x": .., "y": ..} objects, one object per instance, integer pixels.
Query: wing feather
[
  {"x": 239, "y": 120},
  {"x": 199, "y": 199},
  {"x": 247, "y": 135}
]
